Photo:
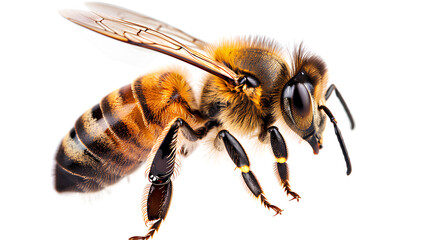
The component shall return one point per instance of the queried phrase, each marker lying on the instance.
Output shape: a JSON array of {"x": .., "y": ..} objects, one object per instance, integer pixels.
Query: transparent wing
[
  {"x": 146, "y": 37},
  {"x": 143, "y": 20}
]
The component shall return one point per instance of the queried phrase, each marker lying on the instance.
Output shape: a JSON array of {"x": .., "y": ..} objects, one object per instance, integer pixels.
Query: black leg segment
[
  {"x": 156, "y": 207},
  {"x": 157, "y": 198},
  {"x": 162, "y": 167},
  {"x": 240, "y": 159},
  {"x": 278, "y": 145}
]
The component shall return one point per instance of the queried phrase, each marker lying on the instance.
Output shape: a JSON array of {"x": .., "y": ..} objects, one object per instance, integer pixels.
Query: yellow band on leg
[
  {"x": 281, "y": 160},
  {"x": 244, "y": 169}
]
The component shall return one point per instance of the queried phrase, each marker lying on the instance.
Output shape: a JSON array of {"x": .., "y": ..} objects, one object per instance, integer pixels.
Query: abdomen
[{"x": 115, "y": 137}]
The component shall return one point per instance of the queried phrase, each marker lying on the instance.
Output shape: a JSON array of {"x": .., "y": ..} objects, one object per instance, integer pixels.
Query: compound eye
[{"x": 301, "y": 107}]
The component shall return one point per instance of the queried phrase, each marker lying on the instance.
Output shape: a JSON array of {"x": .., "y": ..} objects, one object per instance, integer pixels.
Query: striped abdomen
[{"x": 113, "y": 138}]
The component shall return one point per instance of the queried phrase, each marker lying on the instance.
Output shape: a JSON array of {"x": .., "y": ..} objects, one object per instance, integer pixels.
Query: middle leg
[{"x": 239, "y": 157}]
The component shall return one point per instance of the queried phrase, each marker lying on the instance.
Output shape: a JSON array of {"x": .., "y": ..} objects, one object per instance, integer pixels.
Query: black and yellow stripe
[{"x": 113, "y": 138}]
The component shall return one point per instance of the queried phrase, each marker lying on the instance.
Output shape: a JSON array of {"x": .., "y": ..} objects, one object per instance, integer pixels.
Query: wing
[
  {"x": 143, "y": 20},
  {"x": 146, "y": 37}
]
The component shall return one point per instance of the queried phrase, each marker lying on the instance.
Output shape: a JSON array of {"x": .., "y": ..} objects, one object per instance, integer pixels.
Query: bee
[{"x": 156, "y": 120}]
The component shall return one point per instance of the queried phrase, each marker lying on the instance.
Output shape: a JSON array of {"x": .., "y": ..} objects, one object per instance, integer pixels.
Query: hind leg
[{"x": 157, "y": 198}]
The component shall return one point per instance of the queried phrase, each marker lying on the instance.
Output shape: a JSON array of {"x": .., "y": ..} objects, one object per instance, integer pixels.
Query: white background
[{"x": 377, "y": 54}]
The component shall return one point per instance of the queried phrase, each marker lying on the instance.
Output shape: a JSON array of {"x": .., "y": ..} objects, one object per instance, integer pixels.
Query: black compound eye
[
  {"x": 301, "y": 101},
  {"x": 300, "y": 104}
]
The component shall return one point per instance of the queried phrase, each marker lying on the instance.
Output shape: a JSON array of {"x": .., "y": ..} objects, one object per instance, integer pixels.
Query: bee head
[{"x": 301, "y": 97}]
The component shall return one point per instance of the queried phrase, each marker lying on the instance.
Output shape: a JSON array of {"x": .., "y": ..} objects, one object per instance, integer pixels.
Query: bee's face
[
  {"x": 301, "y": 97},
  {"x": 300, "y": 110}
]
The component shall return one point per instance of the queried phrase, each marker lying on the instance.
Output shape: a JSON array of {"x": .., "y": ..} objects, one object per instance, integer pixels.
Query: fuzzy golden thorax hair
[{"x": 242, "y": 108}]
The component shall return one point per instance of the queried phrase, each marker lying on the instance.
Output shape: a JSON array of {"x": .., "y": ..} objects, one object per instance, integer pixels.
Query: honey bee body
[
  {"x": 115, "y": 137},
  {"x": 156, "y": 119}
]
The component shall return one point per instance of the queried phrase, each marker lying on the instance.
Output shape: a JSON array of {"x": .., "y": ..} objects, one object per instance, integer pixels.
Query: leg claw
[
  {"x": 294, "y": 195},
  {"x": 276, "y": 209},
  {"x": 270, "y": 206}
]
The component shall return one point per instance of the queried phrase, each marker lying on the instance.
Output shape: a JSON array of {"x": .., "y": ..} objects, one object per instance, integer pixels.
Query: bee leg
[
  {"x": 202, "y": 131},
  {"x": 157, "y": 205},
  {"x": 158, "y": 194},
  {"x": 278, "y": 145},
  {"x": 239, "y": 157}
]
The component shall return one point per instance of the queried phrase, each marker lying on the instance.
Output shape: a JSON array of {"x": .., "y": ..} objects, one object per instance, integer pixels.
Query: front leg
[
  {"x": 278, "y": 145},
  {"x": 239, "y": 157}
]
